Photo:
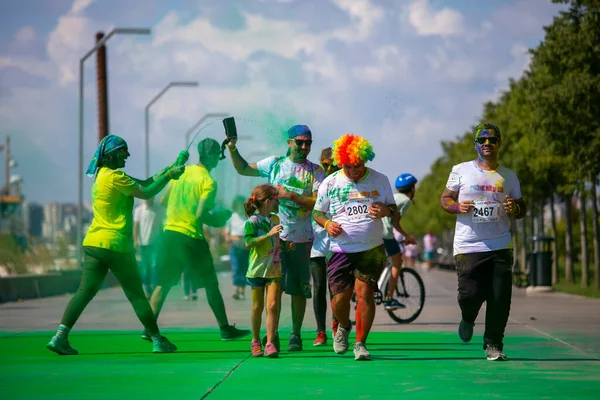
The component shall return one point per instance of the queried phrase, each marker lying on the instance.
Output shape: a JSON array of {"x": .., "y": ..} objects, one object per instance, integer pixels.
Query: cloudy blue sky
[{"x": 406, "y": 74}]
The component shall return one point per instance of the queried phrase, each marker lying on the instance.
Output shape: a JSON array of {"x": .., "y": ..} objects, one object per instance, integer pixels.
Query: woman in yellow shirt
[{"x": 108, "y": 244}]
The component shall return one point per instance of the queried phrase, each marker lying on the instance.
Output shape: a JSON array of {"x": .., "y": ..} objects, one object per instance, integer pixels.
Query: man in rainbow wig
[{"x": 356, "y": 198}]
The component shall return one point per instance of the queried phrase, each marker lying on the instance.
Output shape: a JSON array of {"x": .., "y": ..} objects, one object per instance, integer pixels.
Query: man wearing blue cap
[{"x": 298, "y": 181}]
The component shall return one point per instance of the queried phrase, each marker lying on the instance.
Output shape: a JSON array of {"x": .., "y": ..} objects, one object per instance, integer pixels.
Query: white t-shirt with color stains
[
  {"x": 347, "y": 202},
  {"x": 487, "y": 227},
  {"x": 301, "y": 178}
]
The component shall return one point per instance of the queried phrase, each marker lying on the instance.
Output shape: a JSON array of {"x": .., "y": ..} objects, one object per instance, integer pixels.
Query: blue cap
[{"x": 298, "y": 130}]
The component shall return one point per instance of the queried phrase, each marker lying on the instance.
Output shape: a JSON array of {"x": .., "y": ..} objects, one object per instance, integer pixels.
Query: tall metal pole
[
  {"x": 80, "y": 169},
  {"x": 119, "y": 31},
  {"x": 147, "y": 115},
  {"x": 147, "y": 142},
  {"x": 102, "y": 78},
  {"x": 7, "y": 154}
]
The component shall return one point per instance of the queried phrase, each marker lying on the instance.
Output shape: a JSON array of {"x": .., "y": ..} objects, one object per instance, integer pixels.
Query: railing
[{"x": 24, "y": 287}]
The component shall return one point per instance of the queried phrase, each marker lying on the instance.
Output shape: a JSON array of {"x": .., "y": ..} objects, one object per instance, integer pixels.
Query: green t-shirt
[
  {"x": 265, "y": 259},
  {"x": 403, "y": 203},
  {"x": 112, "y": 204},
  {"x": 185, "y": 194}
]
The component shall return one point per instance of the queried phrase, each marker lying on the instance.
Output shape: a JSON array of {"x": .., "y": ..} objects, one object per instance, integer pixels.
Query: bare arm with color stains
[
  {"x": 396, "y": 223},
  {"x": 147, "y": 192},
  {"x": 333, "y": 228},
  {"x": 305, "y": 202},
  {"x": 450, "y": 204},
  {"x": 255, "y": 241},
  {"x": 241, "y": 166}
]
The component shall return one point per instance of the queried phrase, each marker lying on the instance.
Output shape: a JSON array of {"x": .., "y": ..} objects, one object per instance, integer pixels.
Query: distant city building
[
  {"x": 33, "y": 218},
  {"x": 53, "y": 221}
]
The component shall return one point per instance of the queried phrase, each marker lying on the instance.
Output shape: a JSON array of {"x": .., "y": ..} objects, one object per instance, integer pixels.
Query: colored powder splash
[{"x": 268, "y": 128}]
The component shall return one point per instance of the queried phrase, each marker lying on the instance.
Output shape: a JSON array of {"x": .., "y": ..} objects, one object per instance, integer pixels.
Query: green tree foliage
[{"x": 550, "y": 122}]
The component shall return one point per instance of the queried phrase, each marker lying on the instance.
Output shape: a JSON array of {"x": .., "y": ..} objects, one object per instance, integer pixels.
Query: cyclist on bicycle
[{"x": 405, "y": 185}]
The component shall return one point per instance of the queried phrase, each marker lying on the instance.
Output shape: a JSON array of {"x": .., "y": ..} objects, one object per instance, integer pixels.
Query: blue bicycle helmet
[{"x": 405, "y": 182}]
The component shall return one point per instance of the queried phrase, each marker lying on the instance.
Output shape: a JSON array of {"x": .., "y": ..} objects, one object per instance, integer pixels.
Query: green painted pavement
[{"x": 413, "y": 365}]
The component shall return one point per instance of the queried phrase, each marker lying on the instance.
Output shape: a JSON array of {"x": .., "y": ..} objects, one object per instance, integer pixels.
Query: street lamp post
[
  {"x": 147, "y": 116},
  {"x": 100, "y": 43}
]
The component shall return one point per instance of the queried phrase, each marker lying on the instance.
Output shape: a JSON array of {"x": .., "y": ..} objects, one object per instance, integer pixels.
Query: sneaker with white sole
[
  {"x": 61, "y": 347},
  {"x": 162, "y": 345},
  {"x": 393, "y": 304},
  {"x": 340, "y": 341},
  {"x": 360, "y": 352},
  {"x": 321, "y": 339},
  {"x": 493, "y": 353}
]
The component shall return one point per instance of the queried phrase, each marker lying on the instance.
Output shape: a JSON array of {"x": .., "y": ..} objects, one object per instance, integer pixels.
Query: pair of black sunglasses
[
  {"x": 491, "y": 139},
  {"x": 300, "y": 142}
]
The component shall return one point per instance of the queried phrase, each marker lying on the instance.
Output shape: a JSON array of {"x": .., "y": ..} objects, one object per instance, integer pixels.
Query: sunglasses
[
  {"x": 300, "y": 142},
  {"x": 491, "y": 139}
]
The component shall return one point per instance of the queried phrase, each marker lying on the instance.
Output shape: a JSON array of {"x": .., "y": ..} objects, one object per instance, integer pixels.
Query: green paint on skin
[{"x": 298, "y": 155}]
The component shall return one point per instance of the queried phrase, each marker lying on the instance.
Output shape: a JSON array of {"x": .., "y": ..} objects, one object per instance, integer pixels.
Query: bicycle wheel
[{"x": 410, "y": 291}]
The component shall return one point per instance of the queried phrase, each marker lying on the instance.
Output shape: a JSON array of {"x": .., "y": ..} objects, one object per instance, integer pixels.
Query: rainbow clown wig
[{"x": 352, "y": 149}]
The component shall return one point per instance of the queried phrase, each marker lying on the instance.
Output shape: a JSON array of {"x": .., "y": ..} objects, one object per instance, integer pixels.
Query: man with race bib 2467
[
  {"x": 485, "y": 196},
  {"x": 356, "y": 198},
  {"x": 297, "y": 180}
]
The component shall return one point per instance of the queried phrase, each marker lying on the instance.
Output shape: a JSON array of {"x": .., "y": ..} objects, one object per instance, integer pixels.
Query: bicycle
[{"x": 410, "y": 292}]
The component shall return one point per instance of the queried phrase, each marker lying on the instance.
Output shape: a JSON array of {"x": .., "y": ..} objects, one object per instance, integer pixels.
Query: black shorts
[
  {"x": 391, "y": 247},
  {"x": 344, "y": 268},
  {"x": 295, "y": 270},
  {"x": 177, "y": 252}
]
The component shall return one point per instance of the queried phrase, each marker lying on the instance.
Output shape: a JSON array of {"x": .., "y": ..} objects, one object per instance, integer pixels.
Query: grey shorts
[{"x": 295, "y": 273}]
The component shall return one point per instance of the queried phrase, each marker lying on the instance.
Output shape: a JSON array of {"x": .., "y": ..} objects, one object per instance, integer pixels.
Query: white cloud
[
  {"x": 363, "y": 15},
  {"x": 335, "y": 78},
  {"x": 285, "y": 38},
  {"x": 29, "y": 65},
  {"x": 428, "y": 22},
  {"x": 198, "y": 46},
  {"x": 452, "y": 66},
  {"x": 24, "y": 36},
  {"x": 80, "y": 6},
  {"x": 70, "y": 40},
  {"x": 390, "y": 64}
]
